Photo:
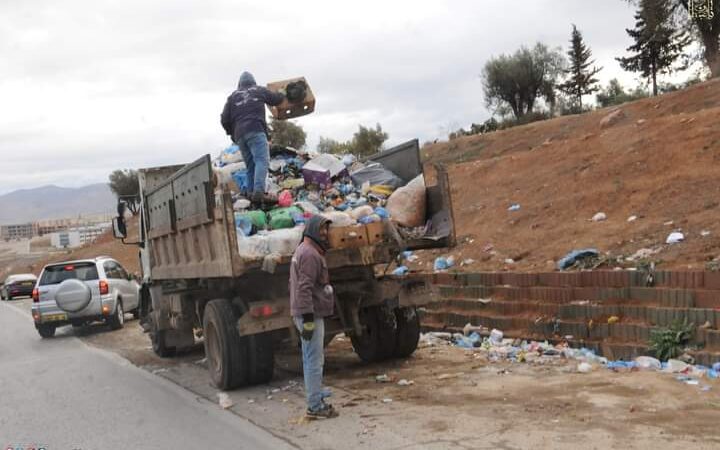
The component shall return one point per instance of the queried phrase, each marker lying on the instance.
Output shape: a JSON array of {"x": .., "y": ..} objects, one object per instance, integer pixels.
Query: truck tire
[
  {"x": 377, "y": 342},
  {"x": 46, "y": 331},
  {"x": 159, "y": 341},
  {"x": 407, "y": 334},
  {"x": 261, "y": 358},
  {"x": 225, "y": 351}
]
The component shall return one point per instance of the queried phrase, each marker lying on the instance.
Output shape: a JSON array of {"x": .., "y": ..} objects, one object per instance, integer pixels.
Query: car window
[
  {"x": 121, "y": 272},
  {"x": 59, "y": 273},
  {"x": 112, "y": 269}
]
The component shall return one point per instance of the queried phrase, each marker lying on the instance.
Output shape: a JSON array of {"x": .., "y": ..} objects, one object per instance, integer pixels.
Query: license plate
[
  {"x": 54, "y": 317},
  {"x": 28, "y": 283}
]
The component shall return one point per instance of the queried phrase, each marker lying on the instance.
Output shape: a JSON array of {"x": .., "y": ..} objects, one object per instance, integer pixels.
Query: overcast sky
[{"x": 90, "y": 86}]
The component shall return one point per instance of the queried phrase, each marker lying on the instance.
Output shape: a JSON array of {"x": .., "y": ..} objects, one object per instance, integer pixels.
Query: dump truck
[{"x": 196, "y": 284}]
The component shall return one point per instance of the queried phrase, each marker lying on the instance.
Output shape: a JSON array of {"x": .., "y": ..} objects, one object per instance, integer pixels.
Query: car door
[{"x": 130, "y": 289}]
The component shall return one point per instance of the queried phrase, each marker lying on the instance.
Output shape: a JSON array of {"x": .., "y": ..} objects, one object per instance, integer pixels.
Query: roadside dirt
[
  {"x": 458, "y": 400},
  {"x": 658, "y": 163}
]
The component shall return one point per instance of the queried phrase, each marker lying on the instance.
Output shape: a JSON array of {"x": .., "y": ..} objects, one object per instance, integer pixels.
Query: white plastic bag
[
  {"x": 224, "y": 174},
  {"x": 362, "y": 211},
  {"x": 283, "y": 242},
  {"x": 256, "y": 246},
  {"x": 406, "y": 205},
  {"x": 339, "y": 219}
]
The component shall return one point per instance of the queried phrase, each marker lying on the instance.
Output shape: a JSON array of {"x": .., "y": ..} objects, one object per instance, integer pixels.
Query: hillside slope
[
  {"x": 661, "y": 163},
  {"x": 51, "y": 202}
]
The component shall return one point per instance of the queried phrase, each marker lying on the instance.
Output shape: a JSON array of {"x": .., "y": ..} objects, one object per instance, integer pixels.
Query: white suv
[{"x": 83, "y": 291}]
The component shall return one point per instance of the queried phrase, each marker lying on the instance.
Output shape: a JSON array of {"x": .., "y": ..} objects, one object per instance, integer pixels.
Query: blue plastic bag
[
  {"x": 382, "y": 212},
  {"x": 574, "y": 255},
  {"x": 401, "y": 271},
  {"x": 243, "y": 224},
  {"x": 240, "y": 178}
]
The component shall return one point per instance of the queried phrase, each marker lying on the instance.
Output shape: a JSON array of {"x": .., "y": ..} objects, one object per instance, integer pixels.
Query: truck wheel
[
  {"x": 377, "y": 342},
  {"x": 46, "y": 331},
  {"x": 225, "y": 351},
  {"x": 159, "y": 341},
  {"x": 261, "y": 358},
  {"x": 407, "y": 334}
]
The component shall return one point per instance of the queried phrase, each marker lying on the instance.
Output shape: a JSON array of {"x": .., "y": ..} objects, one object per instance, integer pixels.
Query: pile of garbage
[
  {"x": 346, "y": 191},
  {"x": 498, "y": 348}
]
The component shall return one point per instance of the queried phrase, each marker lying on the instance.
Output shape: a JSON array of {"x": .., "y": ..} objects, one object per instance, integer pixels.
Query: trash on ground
[
  {"x": 509, "y": 261},
  {"x": 405, "y": 382},
  {"x": 675, "y": 237},
  {"x": 442, "y": 263},
  {"x": 387, "y": 400},
  {"x": 575, "y": 255},
  {"x": 632, "y": 218},
  {"x": 584, "y": 367},
  {"x": 401, "y": 271},
  {"x": 224, "y": 400},
  {"x": 514, "y": 207},
  {"x": 648, "y": 363},
  {"x": 599, "y": 217},
  {"x": 613, "y": 319},
  {"x": 467, "y": 262},
  {"x": 382, "y": 379},
  {"x": 704, "y": 233},
  {"x": 448, "y": 376}
]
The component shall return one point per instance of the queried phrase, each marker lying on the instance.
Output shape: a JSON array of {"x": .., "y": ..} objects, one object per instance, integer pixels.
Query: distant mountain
[{"x": 53, "y": 202}]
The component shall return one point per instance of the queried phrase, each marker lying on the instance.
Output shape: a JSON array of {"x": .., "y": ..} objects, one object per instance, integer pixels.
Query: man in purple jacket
[
  {"x": 243, "y": 118},
  {"x": 311, "y": 300}
]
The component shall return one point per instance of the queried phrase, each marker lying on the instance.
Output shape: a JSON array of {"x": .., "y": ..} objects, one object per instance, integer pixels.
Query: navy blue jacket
[{"x": 244, "y": 110}]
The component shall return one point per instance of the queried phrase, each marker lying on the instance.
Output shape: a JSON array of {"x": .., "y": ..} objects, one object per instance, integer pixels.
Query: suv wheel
[
  {"x": 117, "y": 320},
  {"x": 46, "y": 331}
]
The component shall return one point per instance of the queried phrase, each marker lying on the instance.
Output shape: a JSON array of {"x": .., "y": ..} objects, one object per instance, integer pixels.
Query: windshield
[{"x": 58, "y": 274}]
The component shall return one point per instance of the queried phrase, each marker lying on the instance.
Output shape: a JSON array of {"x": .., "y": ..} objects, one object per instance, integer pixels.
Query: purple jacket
[{"x": 309, "y": 283}]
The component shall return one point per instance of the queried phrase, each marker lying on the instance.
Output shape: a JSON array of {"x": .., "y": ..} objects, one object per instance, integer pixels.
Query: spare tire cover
[{"x": 73, "y": 295}]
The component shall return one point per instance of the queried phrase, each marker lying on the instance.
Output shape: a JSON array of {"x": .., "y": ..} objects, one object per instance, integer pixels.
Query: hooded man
[
  {"x": 311, "y": 300},
  {"x": 243, "y": 118}
]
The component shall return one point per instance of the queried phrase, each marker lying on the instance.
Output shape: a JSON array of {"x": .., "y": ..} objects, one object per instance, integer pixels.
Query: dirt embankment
[{"x": 659, "y": 162}]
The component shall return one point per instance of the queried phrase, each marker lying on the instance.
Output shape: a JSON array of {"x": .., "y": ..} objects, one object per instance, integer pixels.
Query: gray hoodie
[{"x": 309, "y": 278}]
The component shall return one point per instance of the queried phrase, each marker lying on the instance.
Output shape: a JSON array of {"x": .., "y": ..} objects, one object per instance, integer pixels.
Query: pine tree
[
  {"x": 581, "y": 79},
  {"x": 658, "y": 43}
]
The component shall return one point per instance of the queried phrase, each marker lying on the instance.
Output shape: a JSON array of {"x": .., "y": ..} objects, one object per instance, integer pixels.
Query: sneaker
[{"x": 325, "y": 412}]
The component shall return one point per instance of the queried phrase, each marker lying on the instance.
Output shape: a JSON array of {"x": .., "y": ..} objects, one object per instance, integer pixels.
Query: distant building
[
  {"x": 14, "y": 232},
  {"x": 43, "y": 227},
  {"x": 75, "y": 237}
]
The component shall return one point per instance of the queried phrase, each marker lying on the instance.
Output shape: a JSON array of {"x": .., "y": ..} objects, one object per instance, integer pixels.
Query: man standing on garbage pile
[
  {"x": 311, "y": 300},
  {"x": 243, "y": 118}
]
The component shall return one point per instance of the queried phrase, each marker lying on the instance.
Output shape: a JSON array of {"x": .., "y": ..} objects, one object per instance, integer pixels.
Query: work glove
[{"x": 308, "y": 328}]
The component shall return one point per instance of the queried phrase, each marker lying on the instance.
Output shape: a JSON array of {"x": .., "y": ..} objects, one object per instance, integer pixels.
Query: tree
[
  {"x": 368, "y": 141},
  {"x": 518, "y": 80},
  {"x": 658, "y": 43},
  {"x": 365, "y": 142},
  {"x": 707, "y": 29},
  {"x": 287, "y": 134},
  {"x": 614, "y": 94},
  {"x": 327, "y": 145},
  {"x": 124, "y": 184},
  {"x": 581, "y": 79}
]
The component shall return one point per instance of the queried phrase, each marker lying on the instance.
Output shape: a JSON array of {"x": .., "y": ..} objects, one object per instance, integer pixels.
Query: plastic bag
[
  {"x": 362, "y": 211},
  {"x": 283, "y": 217},
  {"x": 231, "y": 155},
  {"x": 224, "y": 174},
  {"x": 406, "y": 205},
  {"x": 339, "y": 219},
  {"x": 308, "y": 207},
  {"x": 244, "y": 224},
  {"x": 285, "y": 199},
  {"x": 648, "y": 363},
  {"x": 257, "y": 218},
  {"x": 375, "y": 174},
  {"x": 284, "y": 242},
  {"x": 256, "y": 246}
]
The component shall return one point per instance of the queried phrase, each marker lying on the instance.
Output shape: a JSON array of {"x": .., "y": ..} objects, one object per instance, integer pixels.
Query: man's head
[
  {"x": 246, "y": 80},
  {"x": 316, "y": 229}
]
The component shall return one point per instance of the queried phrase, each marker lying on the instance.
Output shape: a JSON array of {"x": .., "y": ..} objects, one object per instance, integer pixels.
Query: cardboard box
[
  {"x": 347, "y": 237},
  {"x": 375, "y": 232},
  {"x": 287, "y": 110}
]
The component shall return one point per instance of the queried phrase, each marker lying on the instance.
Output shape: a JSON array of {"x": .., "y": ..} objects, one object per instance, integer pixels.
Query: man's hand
[{"x": 308, "y": 328}]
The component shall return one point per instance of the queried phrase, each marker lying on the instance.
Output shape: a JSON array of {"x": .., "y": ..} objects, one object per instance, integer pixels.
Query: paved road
[{"x": 63, "y": 394}]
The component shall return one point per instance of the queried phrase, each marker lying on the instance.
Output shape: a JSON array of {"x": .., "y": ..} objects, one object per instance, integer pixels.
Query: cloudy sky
[{"x": 88, "y": 86}]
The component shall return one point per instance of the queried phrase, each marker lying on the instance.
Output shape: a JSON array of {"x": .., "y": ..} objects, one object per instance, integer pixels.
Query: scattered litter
[
  {"x": 613, "y": 319},
  {"x": 201, "y": 361},
  {"x": 470, "y": 328},
  {"x": 642, "y": 253},
  {"x": 509, "y": 261},
  {"x": 275, "y": 391},
  {"x": 704, "y": 233},
  {"x": 632, "y": 218},
  {"x": 401, "y": 271},
  {"x": 575, "y": 255},
  {"x": 224, "y": 400},
  {"x": 676, "y": 366},
  {"x": 584, "y": 367},
  {"x": 669, "y": 223},
  {"x": 269, "y": 397},
  {"x": 387, "y": 400},
  {"x": 514, "y": 207},
  {"x": 488, "y": 248},
  {"x": 599, "y": 217},
  {"x": 447, "y": 376},
  {"x": 405, "y": 382},
  {"x": 675, "y": 237},
  {"x": 496, "y": 337},
  {"x": 648, "y": 363},
  {"x": 382, "y": 379},
  {"x": 467, "y": 262},
  {"x": 251, "y": 401},
  {"x": 157, "y": 371},
  {"x": 443, "y": 263}
]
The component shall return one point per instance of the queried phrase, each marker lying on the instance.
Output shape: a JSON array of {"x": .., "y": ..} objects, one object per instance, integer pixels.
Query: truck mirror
[{"x": 119, "y": 228}]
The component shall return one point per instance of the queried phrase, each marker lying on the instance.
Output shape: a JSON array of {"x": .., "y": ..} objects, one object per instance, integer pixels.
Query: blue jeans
[
  {"x": 313, "y": 360},
  {"x": 256, "y": 154}
]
